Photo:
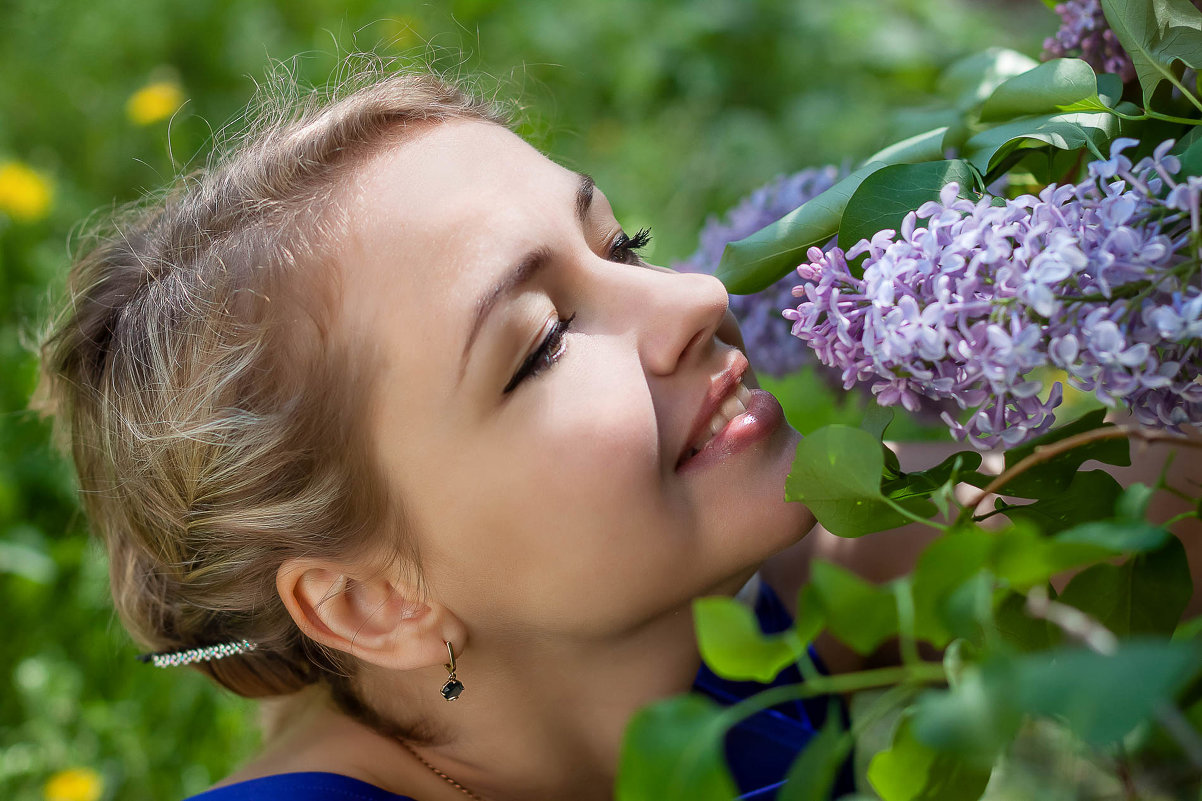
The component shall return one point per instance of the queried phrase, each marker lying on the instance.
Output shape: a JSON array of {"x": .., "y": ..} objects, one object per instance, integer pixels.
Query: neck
[
  {"x": 540, "y": 718},
  {"x": 543, "y": 719}
]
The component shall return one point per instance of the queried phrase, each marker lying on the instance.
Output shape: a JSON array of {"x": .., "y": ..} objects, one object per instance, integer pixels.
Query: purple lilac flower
[
  {"x": 772, "y": 349},
  {"x": 1100, "y": 279},
  {"x": 1085, "y": 34}
]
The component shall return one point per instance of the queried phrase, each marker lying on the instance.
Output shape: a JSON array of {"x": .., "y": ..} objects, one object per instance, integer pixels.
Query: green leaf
[
  {"x": 1016, "y": 627},
  {"x": 975, "y": 718},
  {"x": 926, "y": 146},
  {"x": 1156, "y": 34},
  {"x": 924, "y": 482},
  {"x": 1065, "y": 131},
  {"x": 1024, "y": 558},
  {"x": 945, "y": 565},
  {"x": 673, "y": 751},
  {"x": 1191, "y": 157},
  {"x": 1189, "y": 629},
  {"x": 1117, "y": 536},
  {"x": 1110, "y": 89},
  {"x": 813, "y": 773},
  {"x": 913, "y": 771},
  {"x": 761, "y": 259},
  {"x": 1100, "y": 697},
  {"x": 1052, "y": 477},
  {"x": 967, "y": 82},
  {"x": 860, "y": 614},
  {"x": 837, "y": 474},
  {"x": 876, "y": 420},
  {"x": 1144, "y": 595},
  {"x": 967, "y": 608},
  {"x": 810, "y": 620},
  {"x": 1133, "y": 503},
  {"x": 1089, "y": 497},
  {"x": 1103, "y": 697},
  {"x": 1049, "y": 87},
  {"x": 732, "y": 644},
  {"x": 888, "y": 195}
]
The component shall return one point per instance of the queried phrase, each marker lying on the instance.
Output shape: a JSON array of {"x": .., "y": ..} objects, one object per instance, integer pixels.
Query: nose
[{"x": 675, "y": 316}]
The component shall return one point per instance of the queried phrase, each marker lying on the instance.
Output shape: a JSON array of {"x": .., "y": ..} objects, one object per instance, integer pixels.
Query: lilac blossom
[
  {"x": 772, "y": 349},
  {"x": 1085, "y": 34},
  {"x": 1099, "y": 280}
]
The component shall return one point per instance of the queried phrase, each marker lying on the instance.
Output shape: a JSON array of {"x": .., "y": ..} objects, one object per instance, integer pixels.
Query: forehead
[
  {"x": 434, "y": 220},
  {"x": 442, "y": 210},
  {"x": 456, "y": 185}
]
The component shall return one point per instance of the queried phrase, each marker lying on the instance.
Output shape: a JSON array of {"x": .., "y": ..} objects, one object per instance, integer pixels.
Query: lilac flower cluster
[
  {"x": 1099, "y": 280},
  {"x": 772, "y": 349},
  {"x": 1084, "y": 34}
]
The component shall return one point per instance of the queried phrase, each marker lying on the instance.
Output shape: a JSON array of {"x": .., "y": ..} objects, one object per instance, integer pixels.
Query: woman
[{"x": 383, "y": 390}]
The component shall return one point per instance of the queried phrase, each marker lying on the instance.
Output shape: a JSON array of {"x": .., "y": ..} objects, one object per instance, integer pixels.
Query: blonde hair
[{"x": 212, "y": 412}]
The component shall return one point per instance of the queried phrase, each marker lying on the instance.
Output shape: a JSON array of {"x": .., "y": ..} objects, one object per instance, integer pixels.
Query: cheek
[{"x": 586, "y": 442}]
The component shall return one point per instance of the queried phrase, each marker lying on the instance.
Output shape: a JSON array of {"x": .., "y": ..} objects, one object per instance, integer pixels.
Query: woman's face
[{"x": 542, "y": 463}]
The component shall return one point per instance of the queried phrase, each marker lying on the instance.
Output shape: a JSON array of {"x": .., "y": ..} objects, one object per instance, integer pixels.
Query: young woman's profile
[{"x": 383, "y": 391}]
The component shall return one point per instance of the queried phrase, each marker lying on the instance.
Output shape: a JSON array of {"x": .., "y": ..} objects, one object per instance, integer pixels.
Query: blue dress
[{"x": 759, "y": 750}]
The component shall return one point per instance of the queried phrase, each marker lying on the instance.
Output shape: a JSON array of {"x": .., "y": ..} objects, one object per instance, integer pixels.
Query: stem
[
  {"x": 1155, "y": 115},
  {"x": 1171, "y": 78},
  {"x": 904, "y": 512},
  {"x": 1006, "y": 164},
  {"x": 921, "y": 673},
  {"x": 987, "y": 515},
  {"x": 1045, "y": 453},
  {"x": 1180, "y": 730},
  {"x": 1094, "y": 149},
  {"x": 1072, "y": 621},
  {"x": 903, "y": 593},
  {"x": 888, "y": 701},
  {"x": 1179, "y": 518},
  {"x": 805, "y": 664},
  {"x": 1123, "y": 769}
]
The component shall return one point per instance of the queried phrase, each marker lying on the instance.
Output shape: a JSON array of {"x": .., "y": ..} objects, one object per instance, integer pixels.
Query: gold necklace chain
[{"x": 440, "y": 774}]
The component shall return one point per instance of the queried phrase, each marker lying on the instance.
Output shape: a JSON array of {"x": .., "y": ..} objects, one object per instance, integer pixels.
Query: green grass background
[{"x": 677, "y": 109}]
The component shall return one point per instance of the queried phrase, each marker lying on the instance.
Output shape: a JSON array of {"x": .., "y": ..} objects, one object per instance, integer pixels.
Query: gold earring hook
[{"x": 453, "y": 686}]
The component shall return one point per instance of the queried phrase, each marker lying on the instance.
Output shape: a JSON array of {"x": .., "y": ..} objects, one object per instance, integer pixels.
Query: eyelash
[
  {"x": 548, "y": 352},
  {"x": 625, "y": 250}
]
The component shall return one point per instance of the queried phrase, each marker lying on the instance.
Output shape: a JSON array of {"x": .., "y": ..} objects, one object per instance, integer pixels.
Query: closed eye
[
  {"x": 625, "y": 249},
  {"x": 545, "y": 355}
]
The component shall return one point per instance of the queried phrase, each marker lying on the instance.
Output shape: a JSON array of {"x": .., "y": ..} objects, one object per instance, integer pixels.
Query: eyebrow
[{"x": 526, "y": 268}]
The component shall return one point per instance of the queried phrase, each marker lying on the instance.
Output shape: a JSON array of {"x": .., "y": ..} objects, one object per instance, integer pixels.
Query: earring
[{"x": 453, "y": 686}]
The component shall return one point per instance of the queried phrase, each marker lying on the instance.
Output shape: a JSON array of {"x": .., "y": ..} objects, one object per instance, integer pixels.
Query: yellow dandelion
[
  {"x": 154, "y": 102},
  {"x": 25, "y": 194},
  {"x": 74, "y": 784}
]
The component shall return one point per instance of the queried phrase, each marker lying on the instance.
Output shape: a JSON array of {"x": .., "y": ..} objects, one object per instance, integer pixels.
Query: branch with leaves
[{"x": 1048, "y": 225}]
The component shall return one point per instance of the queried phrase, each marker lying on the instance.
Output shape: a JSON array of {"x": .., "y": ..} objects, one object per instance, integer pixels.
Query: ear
[{"x": 374, "y": 616}]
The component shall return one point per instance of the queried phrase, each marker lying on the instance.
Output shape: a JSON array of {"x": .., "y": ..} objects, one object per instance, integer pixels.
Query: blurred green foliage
[{"x": 677, "y": 109}]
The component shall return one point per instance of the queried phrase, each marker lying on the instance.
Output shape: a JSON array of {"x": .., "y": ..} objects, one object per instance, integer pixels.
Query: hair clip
[{"x": 208, "y": 653}]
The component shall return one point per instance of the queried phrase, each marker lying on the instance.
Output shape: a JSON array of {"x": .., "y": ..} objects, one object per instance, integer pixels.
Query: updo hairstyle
[{"x": 212, "y": 408}]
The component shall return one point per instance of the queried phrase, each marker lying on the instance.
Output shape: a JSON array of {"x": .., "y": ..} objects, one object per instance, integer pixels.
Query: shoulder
[{"x": 304, "y": 786}]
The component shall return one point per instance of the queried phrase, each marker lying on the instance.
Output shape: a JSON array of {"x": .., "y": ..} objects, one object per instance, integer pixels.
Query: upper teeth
[{"x": 731, "y": 408}]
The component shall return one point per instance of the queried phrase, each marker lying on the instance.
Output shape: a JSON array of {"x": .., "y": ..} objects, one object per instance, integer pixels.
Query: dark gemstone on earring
[{"x": 452, "y": 689}]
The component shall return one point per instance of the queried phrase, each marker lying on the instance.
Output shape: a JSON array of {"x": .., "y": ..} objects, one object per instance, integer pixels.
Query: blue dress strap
[
  {"x": 305, "y": 786},
  {"x": 761, "y": 748}
]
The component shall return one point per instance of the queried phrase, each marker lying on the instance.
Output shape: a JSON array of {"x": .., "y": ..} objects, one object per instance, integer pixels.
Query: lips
[{"x": 722, "y": 388}]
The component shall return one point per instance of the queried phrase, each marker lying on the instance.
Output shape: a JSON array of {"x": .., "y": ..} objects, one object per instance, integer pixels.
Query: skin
[{"x": 560, "y": 547}]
